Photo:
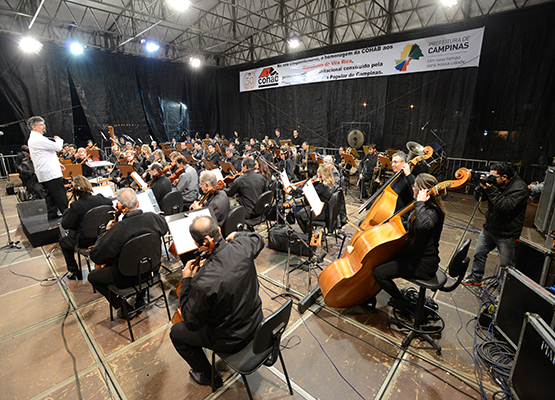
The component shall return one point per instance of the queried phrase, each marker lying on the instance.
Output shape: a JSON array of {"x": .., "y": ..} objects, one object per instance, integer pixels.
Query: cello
[
  {"x": 349, "y": 280},
  {"x": 384, "y": 201},
  {"x": 204, "y": 251}
]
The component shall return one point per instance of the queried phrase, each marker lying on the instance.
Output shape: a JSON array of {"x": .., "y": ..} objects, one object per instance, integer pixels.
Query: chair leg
[
  {"x": 165, "y": 300},
  {"x": 247, "y": 386},
  {"x": 110, "y": 305},
  {"x": 213, "y": 369},
  {"x": 125, "y": 313},
  {"x": 285, "y": 373}
]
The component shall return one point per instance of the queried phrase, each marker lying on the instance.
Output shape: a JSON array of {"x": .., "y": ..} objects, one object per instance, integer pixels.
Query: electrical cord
[{"x": 266, "y": 289}]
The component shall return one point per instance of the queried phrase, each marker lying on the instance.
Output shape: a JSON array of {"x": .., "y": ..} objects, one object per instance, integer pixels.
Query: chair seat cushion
[
  {"x": 254, "y": 221},
  {"x": 435, "y": 283},
  {"x": 245, "y": 361}
]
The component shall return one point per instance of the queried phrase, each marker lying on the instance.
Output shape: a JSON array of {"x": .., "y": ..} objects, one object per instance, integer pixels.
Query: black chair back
[
  {"x": 172, "y": 203},
  {"x": 333, "y": 211},
  {"x": 95, "y": 219},
  {"x": 140, "y": 255},
  {"x": 268, "y": 334},
  {"x": 235, "y": 221},
  {"x": 263, "y": 203},
  {"x": 458, "y": 265}
]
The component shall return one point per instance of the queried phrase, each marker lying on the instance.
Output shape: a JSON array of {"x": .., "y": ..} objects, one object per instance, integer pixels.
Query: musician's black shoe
[
  {"x": 130, "y": 311},
  {"x": 77, "y": 275},
  {"x": 401, "y": 304},
  {"x": 205, "y": 379}
]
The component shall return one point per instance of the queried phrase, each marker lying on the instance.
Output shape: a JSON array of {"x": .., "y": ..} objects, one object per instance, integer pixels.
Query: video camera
[{"x": 484, "y": 177}]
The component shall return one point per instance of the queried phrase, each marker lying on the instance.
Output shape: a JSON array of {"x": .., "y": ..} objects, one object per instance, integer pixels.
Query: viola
[
  {"x": 119, "y": 210},
  {"x": 176, "y": 174},
  {"x": 204, "y": 251},
  {"x": 349, "y": 280},
  {"x": 213, "y": 190}
]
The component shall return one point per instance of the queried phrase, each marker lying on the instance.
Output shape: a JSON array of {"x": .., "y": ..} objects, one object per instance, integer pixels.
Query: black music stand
[
  {"x": 227, "y": 168},
  {"x": 209, "y": 165}
]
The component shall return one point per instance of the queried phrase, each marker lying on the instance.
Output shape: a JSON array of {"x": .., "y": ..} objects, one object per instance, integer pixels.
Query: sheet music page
[
  {"x": 96, "y": 164},
  {"x": 105, "y": 190},
  {"x": 179, "y": 229},
  {"x": 218, "y": 173},
  {"x": 147, "y": 201},
  {"x": 313, "y": 198},
  {"x": 285, "y": 179},
  {"x": 139, "y": 180}
]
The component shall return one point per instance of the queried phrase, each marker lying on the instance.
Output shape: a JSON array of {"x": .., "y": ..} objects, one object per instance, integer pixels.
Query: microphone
[{"x": 425, "y": 125}]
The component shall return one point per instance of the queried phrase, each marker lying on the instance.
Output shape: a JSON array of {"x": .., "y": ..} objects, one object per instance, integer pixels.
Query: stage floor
[{"x": 52, "y": 331}]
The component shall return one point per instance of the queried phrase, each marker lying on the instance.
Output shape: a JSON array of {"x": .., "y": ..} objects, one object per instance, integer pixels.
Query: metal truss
[{"x": 232, "y": 32}]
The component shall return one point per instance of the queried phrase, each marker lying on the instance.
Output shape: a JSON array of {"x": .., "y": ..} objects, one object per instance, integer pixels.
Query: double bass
[{"x": 349, "y": 280}]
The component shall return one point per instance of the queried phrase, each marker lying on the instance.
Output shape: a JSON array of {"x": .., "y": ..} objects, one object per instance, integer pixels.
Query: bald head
[{"x": 202, "y": 227}]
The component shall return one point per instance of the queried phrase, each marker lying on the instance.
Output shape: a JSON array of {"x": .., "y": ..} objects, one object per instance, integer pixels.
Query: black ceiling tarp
[{"x": 36, "y": 85}]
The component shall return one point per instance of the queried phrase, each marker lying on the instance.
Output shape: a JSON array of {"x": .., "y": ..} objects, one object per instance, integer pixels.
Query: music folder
[
  {"x": 179, "y": 228},
  {"x": 208, "y": 164},
  {"x": 349, "y": 159},
  {"x": 227, "y": 167},
  {"x": 190, "y": 159},
  {"x": 125, "y": 169},
  {"x": 313, "y": 198}
]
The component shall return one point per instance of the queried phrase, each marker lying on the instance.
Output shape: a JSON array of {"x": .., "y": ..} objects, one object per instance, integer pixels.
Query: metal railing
[{"x": 7, "y": 165}]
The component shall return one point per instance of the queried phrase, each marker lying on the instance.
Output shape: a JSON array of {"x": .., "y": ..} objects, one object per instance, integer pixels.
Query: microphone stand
[{"x": 11, "y": 244}]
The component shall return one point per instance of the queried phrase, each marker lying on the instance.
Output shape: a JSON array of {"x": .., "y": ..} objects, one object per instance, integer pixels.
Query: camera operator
[{"x": 507, "y": 196}]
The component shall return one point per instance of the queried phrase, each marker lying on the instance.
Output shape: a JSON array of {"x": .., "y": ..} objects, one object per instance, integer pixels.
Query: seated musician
[
  {"x": 145, "y": 158},
  {"x": 420, "y": 257},
  {"x": 159, "y": 183},
  {"x": 160, "y": 157},
  {"x": 248, "y": 188},
  {"x": 323, "y": 188},
  {"x": 172, "y": 167},
  {"x": 232, "y": 159},
  {"x": 367, "y": 171},
  {"x": 71, "y": 150},
  {"x": 261, "y": 167},
  {"x": 187, "y": 182},
  {"x": 286, "y": 163},
  {"x": 184, "y": 150},
  {"x": 219, "y": 300},
  {"x": 296, "y": 139},
  {"x": 217, "y": 201},
  {"x": 213, "y": 156},
  {"x": 154, "y": 146},
  {"x": 198, "y": 153},
  {"x": 265, "y": 153},
  {"x": 248, "y": 150},
  {"x": 115, "y": 156},
  {"x": 72, "y": 219},
  {"x": 254, "y": 144},
  {"x": 173, "y": 144},
  {"x": 81, "y": 157},
  {"x": 90, "y": 145},
  {"x": 307, "y": 166},
  {"x": 328, "y": 160},
  {"x": 129, "y": 146},
  {"x": 130, "y": 160},
  {"x": 108, "y": 246}
]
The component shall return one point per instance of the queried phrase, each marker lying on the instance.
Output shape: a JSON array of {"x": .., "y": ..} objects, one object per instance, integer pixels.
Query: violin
[
  {"x": 204, "y": 251},
  {"x": 86, "y": 159},
  {"x": 168, "y": 168},
  {"x": 349, "y": 280},
  {"x": 300, "y": 183},
  {"x": 231, "y": 178},
  {"x": 176, "y": 174},
  {"x": 213, "y": 190}
]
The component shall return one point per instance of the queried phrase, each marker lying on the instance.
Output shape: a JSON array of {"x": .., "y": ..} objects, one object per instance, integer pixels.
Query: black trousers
[
  {"x": 303, "y": 217},
  {"x": 189, "y": 345},
  {"x": 67, "y": 245},
  {"x": 56, "y": 198},
  {"x": 385, "y": 273}
]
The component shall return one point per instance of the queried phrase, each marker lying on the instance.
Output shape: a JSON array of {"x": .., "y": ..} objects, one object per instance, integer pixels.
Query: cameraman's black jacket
[{"x": 506, "y": 207}]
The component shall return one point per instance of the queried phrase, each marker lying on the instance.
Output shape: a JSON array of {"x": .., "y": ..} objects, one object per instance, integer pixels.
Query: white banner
[{"x": 456, "y": 50}]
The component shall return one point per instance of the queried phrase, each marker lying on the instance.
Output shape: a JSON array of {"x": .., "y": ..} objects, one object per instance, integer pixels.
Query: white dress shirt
[{"x": 44, "y": 157}]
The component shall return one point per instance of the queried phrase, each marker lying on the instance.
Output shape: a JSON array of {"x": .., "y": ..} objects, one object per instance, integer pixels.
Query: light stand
[{"x": 11, "y": 244}]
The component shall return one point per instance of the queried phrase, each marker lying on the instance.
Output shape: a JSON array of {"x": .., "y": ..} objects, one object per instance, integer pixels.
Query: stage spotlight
[
  {"x": 294, "y": 42},
  {"x": 30, "y": 45},
  {"x": 76, "y": 48},
  {"x": 179, "y": 5},
  {"x": 449, "y": 3},
  {"x": 151, "y": 47},
  {"x": 195, "y": 62}
]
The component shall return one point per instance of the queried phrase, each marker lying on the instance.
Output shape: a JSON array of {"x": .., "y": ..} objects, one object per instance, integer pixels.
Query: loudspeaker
[
  {"x": 35, "y": 224},
  {"x": 278, "y": 240},
  {"x": 547, "y": 198},
  {"x": 534, "y": 365},
  {"x": 519, "y": 295}
]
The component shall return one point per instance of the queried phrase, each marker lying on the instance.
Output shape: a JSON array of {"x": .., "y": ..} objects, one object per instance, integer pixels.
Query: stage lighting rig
[{"x": 30, "y": 45}]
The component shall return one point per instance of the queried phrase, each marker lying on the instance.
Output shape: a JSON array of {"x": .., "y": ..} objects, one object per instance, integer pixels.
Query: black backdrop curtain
[
  {"x": 35, "y": 85},
  {"x": 515, "y": 80}
]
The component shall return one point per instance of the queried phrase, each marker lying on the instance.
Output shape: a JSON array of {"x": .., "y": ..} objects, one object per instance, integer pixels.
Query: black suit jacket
[{"x": 72, "y": 217}]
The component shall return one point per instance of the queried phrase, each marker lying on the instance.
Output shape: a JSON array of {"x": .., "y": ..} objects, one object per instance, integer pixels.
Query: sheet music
[
  {"x": 97, "y": 164},
  {"x": 105, "y": 190},
  {"x": 218, "y": 173},
  {"x": 313, "y": 198},
  {"x": 139, "y": 180},
  {"x": 147, "y": 201},
  {"x": 285, "y": 179},
  {"x": 179, "y": 229}
]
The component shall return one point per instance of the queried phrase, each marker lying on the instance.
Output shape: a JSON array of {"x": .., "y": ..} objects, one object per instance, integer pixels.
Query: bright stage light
[
  {"x": 76, "y": 48},
  {"x": 294, "y": 42},
  {"x": 449, "y": 3},
  {"x": 152, "y": 47},
  {"x": 195, "y": 62},
  {"x": 179, "y": 5},
  {"x": 30, "y": 45}
]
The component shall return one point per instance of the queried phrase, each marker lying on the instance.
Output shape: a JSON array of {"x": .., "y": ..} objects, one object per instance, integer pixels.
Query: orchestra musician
[
  {"x": 81, "y": 157},
  {"x": 213, "y": 156},
  {"x": 130, "y": 160},
  {"x": 198, "y": 153},
  {"x": 187, "y": 183},
  {"x": 159, "y": 183},
  {"x": 72, "y": 219},
  {"x": 230, "y": 158},
  {"x": 145, "y": 158},
  {"x": 265, "y": 153},
  {"x": 184, "y": 150},
  {"x": 323, "y": 187},
  {"x": 154, "y": 146},
  {"x": 248, "y": 187},
  {"x": 420, "y": 256},
  {"x": 173, "y": 144},
  {"x": 217, "y": 201},
  {"x": 306, "y": 164},
  {"x": 261, "y": 167},
  {"x": 296, "y": 139},
  {"x": 219, "y": 300},
  {"x": 109, "y": 244},
  {"x": 368, "y": 169},
  {"x": 277, "y": 136},
  {"x": 286, "y": 163}
]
